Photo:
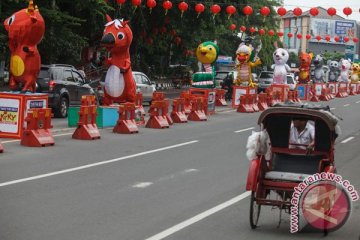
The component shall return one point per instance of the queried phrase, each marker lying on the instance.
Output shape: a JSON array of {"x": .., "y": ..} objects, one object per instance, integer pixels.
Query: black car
[{"x": 65, "y": 86}]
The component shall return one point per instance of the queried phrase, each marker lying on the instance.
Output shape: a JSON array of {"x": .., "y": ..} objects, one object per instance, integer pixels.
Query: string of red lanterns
[{"x": 231, "y": 10}]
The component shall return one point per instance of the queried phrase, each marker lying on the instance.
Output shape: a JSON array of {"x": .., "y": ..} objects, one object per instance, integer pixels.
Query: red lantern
[
  {"x": 271, "y": 33},
  {"x": 265, "y": 11},
  {"x": 149, "y": 41},
  {"x": 177, "y": 41},
  {"x": 183, "y": 6},
  {"x": 233, "y": 27},
  {"x": 280, "y": 34},
  {"x": 247, "y": 10},
  {"x": 337, "y": 38},
  {"x": 163, "y": 29},
  {"x": 314, "y": 12},
  {"x": 230, "y": 10},
  {"x": 347, "y": 11},
  {"x": 136, "y": 3},
  {"x": 167, "y": 5},
  {"x": 261, "y": 32},
  {"x": 308, "y": 36},
  {"x": 298, "y": 36},
  {"x": 215, "y": 9},
  {"x": 290, "y": 35},
  {"x": 281, "y": 11},
  {"x": 243, "y": 28},
  {"x": 327, "y": 38},
  {"x": 120, "y": 1},
  {"x": 318, "y": 38},
  {"x": 355, "y": 40},
  {"x": 151, "y": 4},
  {"x": 199, "y": 8},
  {"x": 297, "y": 11},
  {"x": 346, "y": 39},
  {"x": 331, "y": 11},
  {"x": 252, "y": 30}
]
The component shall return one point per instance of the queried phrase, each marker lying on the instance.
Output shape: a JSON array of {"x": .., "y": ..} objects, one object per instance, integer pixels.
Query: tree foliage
[{"x": 160, "y": 38}]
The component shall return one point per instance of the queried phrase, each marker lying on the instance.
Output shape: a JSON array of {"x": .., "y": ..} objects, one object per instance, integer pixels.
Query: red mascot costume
[
  {"x": 26, "y": 28},
  {"x": 119, "y": 83},
  {"x": 304, "y": 69}
]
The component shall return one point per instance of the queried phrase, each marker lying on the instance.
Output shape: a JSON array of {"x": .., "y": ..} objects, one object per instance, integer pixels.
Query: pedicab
[{"x": 273, "y": 175}]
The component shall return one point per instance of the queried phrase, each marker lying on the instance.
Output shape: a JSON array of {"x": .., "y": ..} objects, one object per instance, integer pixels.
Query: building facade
[{"x": 322, "y": 25}]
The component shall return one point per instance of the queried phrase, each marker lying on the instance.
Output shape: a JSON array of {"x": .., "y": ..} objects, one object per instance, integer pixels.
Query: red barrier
[
  {"x": 296, "y": 96},
  {"x": 325, "y": 94},
  {"x": 157, "y": 118},
  {"x": 273, "y": 97},
  {"x": 291, "y": 97},
  {"x": 178, "y": 110},
  {"x": 352, "y": 89},
  {"x": 87, "y": 128},
  {"x": 246, "y": 103},
  {"x": 197, "y": 109},
  {"x": 342, "y": 92},
  {"x": 187, "y": 104},
  {"x": 126, "y": 122},
  {"x": 139, "y": 103},
  {"x": 314, "y": 97},
  {"x": 262, "y": 101},
  {"x": 158, "y": 96},
  {"x": 87, "y": 100},
  {"x": 38, "y": 125},
  {"x": 358, "y": 89},
  {"x": 1, "y": 148},
  {"x": 220, "y": 98},
  {"x": 166, "y": 112}
]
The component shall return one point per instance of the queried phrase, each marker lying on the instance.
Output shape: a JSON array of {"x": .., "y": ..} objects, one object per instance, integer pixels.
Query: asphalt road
[{"x": 185, "y": 182}]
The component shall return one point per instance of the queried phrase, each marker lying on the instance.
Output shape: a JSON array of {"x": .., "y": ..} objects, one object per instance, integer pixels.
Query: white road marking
[
  {"x": 347, "y": 140},
  {"x": 346, "y": 105},
  {"x": 142, "y": 185},
  {"x": 243, "y": 130},
  {"x": 227, "y": 111},
  {"x": 198, "y": 217},
  {"x": 95, "y": 164},
  {"x": 357, "y": 101},
  {"x": 332, "y": 108}
]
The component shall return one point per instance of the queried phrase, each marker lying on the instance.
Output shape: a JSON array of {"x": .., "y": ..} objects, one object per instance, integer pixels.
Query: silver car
[
  {"x": 144, "y": 85},
  {"x": 265, "y": 80}
]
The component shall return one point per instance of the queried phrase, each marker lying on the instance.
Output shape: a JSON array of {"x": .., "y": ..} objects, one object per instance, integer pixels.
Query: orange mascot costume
[
  {"x": 119, "y": 83},
  {"x": 304, "y": 69},
  {"x": 26, "y": 29}
]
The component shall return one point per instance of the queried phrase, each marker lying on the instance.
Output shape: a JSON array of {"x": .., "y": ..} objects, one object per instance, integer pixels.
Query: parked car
[
  {"x": 265, "y": 80},
  {"x": 143, "y": 85},
  {"x": 64, "y": 85}
]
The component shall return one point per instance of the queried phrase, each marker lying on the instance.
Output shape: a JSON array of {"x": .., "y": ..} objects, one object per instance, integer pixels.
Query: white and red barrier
[
  {"x": 197, "y": 109},
  {"x": 178, "y": 110},
  {"x": 158, "y": 117},
  {"x": 126, "y": 122}
]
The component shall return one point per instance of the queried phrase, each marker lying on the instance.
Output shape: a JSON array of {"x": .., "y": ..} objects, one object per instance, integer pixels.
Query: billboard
[{"x": 328, "y": 27}]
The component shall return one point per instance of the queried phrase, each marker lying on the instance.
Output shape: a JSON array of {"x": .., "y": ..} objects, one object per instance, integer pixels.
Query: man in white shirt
[{"x": 302, "y": 132}]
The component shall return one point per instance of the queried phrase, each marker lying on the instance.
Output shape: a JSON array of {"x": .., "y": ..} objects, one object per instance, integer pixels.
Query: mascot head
[
  {"x": 305, "y": 59},
  {"x": 355, "y": 68},
  {"x": 117, "y": 35},
  {"x": 207, "y": 52},
  {"x": 280, "y": 56},
  {"x": 333, "y": 65},
  {"x": 25, "y": 27},
  {"x": 243, "y": 53},
  {"x": 318, "y": 60}
]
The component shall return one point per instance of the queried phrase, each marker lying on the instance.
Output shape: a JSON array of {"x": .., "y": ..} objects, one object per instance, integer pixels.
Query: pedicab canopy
[{"x": 277, "y": 121}]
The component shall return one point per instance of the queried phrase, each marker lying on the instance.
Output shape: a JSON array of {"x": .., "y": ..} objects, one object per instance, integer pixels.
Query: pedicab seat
[{"x": 292, "y": 167}]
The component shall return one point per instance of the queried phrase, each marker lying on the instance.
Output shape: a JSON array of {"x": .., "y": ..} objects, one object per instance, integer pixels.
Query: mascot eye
[
  {"x": 121, "y": 35},
  {"x": 11, "y": 20},
  {"x": 210, "y": 48},
  {"x": 283, "y": 54}
]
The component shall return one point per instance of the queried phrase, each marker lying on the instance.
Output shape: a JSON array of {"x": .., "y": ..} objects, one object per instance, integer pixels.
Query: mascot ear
[{"x": 108, "y": 18}]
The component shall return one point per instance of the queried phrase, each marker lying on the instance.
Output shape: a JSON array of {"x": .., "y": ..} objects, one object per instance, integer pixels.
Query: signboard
[{"x": 9, "y": 115}]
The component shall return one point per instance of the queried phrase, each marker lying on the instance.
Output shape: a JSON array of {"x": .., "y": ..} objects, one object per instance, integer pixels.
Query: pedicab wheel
[{"x": 254, "y": 211}]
